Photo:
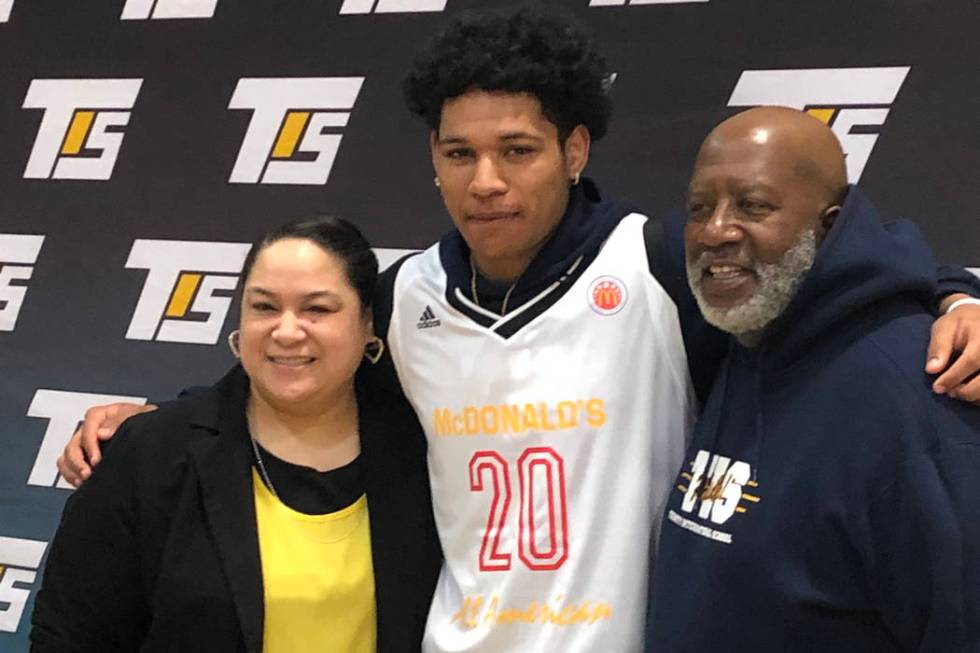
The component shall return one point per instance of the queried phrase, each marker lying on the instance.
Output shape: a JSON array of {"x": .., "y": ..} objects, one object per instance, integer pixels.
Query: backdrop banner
[{"x": 147, "y": 142}]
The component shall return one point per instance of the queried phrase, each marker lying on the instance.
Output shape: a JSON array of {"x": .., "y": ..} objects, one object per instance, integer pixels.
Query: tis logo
[
  {"x": 853, "y": 101},
  {"x": 19, "y": 560},
  {"x": 143, "y": 9},
  {"x": 17, "y": 256},
  {"x": 64, "y": 410},
  {"x": 620, "y": 3},
  {"x": 178, "y": 303},
  {"x": 716, "y": 490},
  {"x": 80, "y": 132},
  {"x": 294, "y": 134},
  {"x": 391, "y": 6},
  {"x": 5, "y": 7}
]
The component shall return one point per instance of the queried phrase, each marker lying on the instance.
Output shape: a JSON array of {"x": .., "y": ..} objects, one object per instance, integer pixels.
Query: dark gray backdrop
[{"x": 677, "y": 64}]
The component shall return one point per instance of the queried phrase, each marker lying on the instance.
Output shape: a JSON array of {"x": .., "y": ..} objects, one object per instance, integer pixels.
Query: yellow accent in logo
[
  {"x": 292, "y": 129},
  {"x": 183, "y": 293},
  {"x": 823, "y": 114},
  {"x": 750, "y": 497},
  {"x": 78, "y": 132}
]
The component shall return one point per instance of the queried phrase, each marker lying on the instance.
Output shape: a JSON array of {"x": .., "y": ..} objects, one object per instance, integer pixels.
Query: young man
[
  {"x": 829, "y": 501},
  {"x": 540, "y": 346},
  {"x": 554, "y": 389}
]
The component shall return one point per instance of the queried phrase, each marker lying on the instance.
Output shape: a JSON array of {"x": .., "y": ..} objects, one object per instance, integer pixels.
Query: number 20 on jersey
[{"x": 542, "y": 535}]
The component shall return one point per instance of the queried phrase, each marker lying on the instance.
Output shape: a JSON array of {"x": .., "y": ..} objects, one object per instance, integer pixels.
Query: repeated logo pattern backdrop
[{"x": 146, "y": 142}]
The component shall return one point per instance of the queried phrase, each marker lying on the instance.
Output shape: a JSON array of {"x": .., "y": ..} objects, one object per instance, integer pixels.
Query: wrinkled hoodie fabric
[{"x": 830, "y": 501}]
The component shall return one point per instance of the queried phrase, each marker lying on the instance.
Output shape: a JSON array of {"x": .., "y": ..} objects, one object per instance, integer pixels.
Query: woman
[{"x": 277, "y": 511}]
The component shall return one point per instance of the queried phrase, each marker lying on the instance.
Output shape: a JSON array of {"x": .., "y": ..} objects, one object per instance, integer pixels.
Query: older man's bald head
[{"x": 793, "y": 138}]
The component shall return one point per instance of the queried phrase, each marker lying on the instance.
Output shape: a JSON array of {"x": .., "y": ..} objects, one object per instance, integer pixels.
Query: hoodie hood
[{"x": 858, "y": 264}]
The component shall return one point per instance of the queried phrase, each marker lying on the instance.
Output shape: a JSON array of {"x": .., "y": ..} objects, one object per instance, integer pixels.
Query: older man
[{"x": 829, "y": 501}]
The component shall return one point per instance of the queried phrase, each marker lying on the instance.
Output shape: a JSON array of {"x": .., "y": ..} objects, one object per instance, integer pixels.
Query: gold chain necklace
[{"x": 476, "y": 299}]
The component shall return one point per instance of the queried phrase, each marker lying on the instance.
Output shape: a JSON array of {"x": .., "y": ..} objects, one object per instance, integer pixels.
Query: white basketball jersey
[{"x": 551, "y": 452}]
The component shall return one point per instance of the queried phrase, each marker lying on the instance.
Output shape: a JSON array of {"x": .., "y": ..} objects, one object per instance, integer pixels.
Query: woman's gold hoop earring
[
  {"x": 233, "y": 339},
  {"x": 374, "y": 350},
  {"x": 575, "y": 178}
]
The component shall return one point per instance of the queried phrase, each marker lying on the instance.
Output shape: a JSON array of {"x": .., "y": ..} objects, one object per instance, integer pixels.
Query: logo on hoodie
[
  {"x": 852, "y": 101},
  {"x": 716, "y": 489},
  {"x": 19, "y": 560}
]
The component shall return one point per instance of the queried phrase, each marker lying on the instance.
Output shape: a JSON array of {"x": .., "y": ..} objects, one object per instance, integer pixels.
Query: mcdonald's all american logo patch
[{"x": 607, "y": 295}]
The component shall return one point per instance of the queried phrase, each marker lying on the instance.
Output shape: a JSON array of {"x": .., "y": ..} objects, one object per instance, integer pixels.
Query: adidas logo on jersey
[{"x": 428, "y": 319}]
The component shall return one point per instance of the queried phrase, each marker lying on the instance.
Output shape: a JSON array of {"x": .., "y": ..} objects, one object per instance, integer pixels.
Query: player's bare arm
[
  {"x": 954, "y": 350},
  {"x": 83, "y": 451}
]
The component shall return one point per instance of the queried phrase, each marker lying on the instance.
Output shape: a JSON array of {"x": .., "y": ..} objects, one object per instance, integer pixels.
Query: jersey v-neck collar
[{"x": 587, "y": 222}]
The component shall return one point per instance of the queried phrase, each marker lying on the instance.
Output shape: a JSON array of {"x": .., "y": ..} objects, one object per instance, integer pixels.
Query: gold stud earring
[{"x": 435, "y": 180}]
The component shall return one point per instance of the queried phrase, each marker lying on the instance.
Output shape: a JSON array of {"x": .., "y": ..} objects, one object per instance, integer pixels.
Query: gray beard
[{"x": 777, "y": 286}]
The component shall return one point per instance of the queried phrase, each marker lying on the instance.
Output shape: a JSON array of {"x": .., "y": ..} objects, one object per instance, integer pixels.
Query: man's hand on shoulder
[
  {"x": 954, "y": 351},
  {"x": 83, "y": 451}
]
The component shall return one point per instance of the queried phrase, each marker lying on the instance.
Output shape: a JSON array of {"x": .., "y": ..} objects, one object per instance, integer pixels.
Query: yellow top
[{"x": 317, "y": 576}]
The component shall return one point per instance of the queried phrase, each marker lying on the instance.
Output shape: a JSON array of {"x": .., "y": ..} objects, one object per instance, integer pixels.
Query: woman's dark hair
[
  {"x": 336, "y": 236},
  {"x": 524, "y": 52}
]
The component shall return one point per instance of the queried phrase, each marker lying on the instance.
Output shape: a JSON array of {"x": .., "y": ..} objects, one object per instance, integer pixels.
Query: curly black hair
[{"x": 527, "y": 51}]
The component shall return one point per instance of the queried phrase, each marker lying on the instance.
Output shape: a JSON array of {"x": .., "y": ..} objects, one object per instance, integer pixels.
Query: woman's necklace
[
  {"x": 258, "y": 456},
  {"x": 265, "y": 474}
]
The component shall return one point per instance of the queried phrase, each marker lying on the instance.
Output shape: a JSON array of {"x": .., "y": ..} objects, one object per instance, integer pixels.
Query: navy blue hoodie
[{"x": 830, "y": 501}]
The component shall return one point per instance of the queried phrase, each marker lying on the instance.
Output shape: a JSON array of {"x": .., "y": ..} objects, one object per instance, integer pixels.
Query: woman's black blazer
[{"x": 158, "y": 550}]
